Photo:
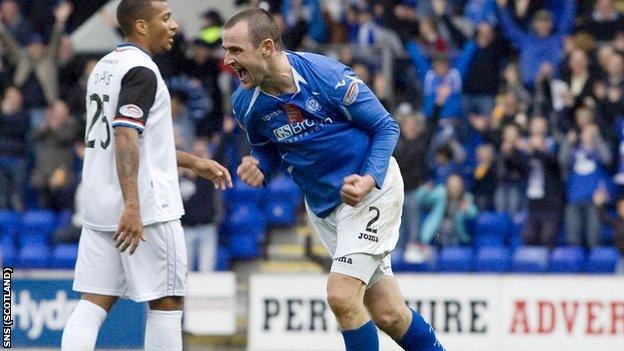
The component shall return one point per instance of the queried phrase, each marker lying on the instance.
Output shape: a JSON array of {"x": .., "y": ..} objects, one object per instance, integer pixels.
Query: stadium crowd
[{"x": 511, "y": 114}]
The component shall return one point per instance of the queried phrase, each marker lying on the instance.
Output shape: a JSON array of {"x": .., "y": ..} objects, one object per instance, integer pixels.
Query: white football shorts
[
  {"x": 158, "y": 267},
  {"x": 360, "y": 238}
]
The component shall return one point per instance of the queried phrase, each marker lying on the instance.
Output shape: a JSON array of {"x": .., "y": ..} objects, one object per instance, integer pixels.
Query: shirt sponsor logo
[
  {"x": 132, "y": 111},
  {"x": 312, "y": 105},
  {"x": 300, "y": 129},
  {"x": 351, "y": 94}
]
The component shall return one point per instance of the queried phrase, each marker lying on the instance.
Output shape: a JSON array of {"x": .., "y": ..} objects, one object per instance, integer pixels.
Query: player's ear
[
  {"x": 140, "y": 26},
  {"x": 267, "y": 47}
]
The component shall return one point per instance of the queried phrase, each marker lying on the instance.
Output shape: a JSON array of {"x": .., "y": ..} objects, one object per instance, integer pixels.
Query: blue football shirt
[{"x": 332, "y": 127}]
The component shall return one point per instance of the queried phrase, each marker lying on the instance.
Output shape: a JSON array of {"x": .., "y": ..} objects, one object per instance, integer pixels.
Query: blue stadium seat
[
  {"x": 515, "y": 230},
  {"x": 223, "y": 259},
  {"x": 399, "y": 265},
  {"x": 279, "y": 212},
  {"x": 493, "y": 260},
  {"x": 602, "y": 260},
  {"x": 455, "y": 259},
  {"x": 284, "y": 197},
  {"x": 8, "y": 253},
  {"x": 491, "y": 229},
  {"x": 34, "y": 256},
  {"x": 9, "y": 223},
  {"x": 64, "y": 256},
  {"x": 530, "y": 259},
  {"x": 32, "y": 238},
  {"x": 246, "y": 219},
  {"x": 567, "y": 259},
  {"x": 242, "y": 193},
  {"x": 244, "y": 246},
  {"x": 39, "y": 223}
]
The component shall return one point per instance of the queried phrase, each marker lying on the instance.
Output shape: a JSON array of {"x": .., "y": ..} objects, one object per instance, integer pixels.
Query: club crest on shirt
[
  {"x": 293, "y": 114},
  {"x": 312, "y": 105},
  {"x": 351, "y": 94},
  {"x": 131, "y": 111}
]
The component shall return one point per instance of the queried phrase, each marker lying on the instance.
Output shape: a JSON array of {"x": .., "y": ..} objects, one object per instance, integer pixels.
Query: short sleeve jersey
[{"x": 126, "y": 90}]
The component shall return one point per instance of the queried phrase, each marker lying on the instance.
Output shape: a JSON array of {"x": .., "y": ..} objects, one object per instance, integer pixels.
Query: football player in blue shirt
[{"x": 313, "y": 117}]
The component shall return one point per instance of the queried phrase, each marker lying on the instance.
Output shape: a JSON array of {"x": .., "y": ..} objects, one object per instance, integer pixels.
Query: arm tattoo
[{"x": 127, "y": 156}]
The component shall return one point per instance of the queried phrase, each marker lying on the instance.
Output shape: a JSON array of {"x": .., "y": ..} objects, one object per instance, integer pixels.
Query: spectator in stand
[
  {"x": 14, "y": 147},
  {"x": 450, "y": 207},
  {"x": 579, "y": 79},
  {"x": 605, "y": 21},
  {"x": 78, "y": 90},
  {"x": 545, "y": 189},
  {"x": 541, "y": 47},
  {"x": 440, "y": 72},
  {"x": 484, "y": 178},
  {"x": 183, "y": 125},
  {"x": 205, "y": 67},
  {"x": 18, "y": 26},
  {"x": 616, "y": 223},
  {"x": 36, "y": 70},
  {"x": 71, "y": 232},
  {"x": 53, "y": 170},
  {"x": 510, "y": 110},
  {"x": 311, "y": 11},
  {"x": 411, "y": 154},
  {"x": 510, "y": 188},
  {"x": 585, "y": 160},
  {"x": 202, "y": 214}
]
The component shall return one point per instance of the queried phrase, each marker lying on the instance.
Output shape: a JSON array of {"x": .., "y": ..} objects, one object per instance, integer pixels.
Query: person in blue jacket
[
  {"x": 542, "y": 47},
  {"x": 314, "y": 118}
]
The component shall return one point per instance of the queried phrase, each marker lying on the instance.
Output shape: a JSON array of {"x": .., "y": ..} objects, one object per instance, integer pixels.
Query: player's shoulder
[
  {"x": 128, "y": 56},
  {"x": 241, "y": 99},
  {"x": 319, "y": 64}
]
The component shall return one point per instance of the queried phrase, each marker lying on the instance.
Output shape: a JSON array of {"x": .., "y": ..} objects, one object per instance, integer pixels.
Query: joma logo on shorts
[
  {"x": 369, "y": 237},
  {"x": 343, "y": 259}
]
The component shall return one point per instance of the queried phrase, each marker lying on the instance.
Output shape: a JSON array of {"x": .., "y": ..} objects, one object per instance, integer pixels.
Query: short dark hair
[
  {"x": 260, "y": 24},
  {"x": 129, "y": 11}
]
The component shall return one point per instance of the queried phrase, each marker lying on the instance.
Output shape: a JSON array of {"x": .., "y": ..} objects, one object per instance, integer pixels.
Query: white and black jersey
[{"x": 126, "y": 90}]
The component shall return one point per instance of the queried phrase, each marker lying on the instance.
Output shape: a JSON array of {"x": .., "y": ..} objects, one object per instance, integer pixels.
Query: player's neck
[
  {"x": 280, "y": 79},
  {"x": 139, "y": 44}
]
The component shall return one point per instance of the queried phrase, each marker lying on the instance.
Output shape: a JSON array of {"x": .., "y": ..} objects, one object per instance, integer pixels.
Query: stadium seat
[
  {"x": 242, "y": 193},
  {"x": 281, "y": 212},
  {"x": 567, "y": 259},
  {"x": 399, "y": 265},
  {"x": 7, "y": 252},
  {"x": 223, "y": 259},
  {"x": 602, "y": 260},
  {"x": 9, "y": 223},
  {"x": 64, "y": 256},
  {"x": 34, "y": 256},
  {"x": 39, "y": 223},
  {"x": 455, "y": 259},
  {"x": 246, "y": 219},
  {"x": 491, "y": 229},
  {"x": 283, "y": 200},
  {"x": 530, "y": 259},
  {"x": 244, "y": 246},
  {"x": 515, "y": 230},
  {"x": 493, "y": 260}
]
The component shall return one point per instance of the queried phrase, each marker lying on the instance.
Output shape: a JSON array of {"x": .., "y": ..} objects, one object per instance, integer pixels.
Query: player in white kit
[{"x": 130, "y": 179}]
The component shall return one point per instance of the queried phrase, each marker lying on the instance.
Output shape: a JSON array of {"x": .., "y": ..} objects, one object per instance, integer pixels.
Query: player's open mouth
[{"x": 241, "y": 73}]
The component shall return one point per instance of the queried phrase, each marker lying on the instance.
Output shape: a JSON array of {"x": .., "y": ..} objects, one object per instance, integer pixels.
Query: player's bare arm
[
  {"x": 127, "y": 155},
  {"x": 355, "y": 188},
  {"x": 249, "y": 172},
  {"x": 205, "y": 168}
]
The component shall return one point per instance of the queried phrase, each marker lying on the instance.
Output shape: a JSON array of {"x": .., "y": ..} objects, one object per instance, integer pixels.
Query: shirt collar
[{"x": 130, "y": 46}]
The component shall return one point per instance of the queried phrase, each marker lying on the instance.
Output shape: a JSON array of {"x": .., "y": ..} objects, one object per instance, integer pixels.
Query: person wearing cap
[{"x": 542, "y": 48}]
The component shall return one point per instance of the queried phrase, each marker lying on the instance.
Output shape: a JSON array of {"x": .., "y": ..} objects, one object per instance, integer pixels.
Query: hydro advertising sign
[{"x": 41, "y": 305}]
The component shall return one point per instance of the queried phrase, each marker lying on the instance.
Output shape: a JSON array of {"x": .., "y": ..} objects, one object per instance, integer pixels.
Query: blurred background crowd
[{"x": 511, "y": 115}]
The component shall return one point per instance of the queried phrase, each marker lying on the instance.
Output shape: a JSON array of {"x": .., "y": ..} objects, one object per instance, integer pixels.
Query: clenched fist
[{"x": 249, "y": 172}]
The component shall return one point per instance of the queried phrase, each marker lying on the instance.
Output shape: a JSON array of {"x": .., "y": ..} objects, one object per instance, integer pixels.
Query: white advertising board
[
  {"x": 210, "y": 304},
  {"x": 469, "y": 312}
]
